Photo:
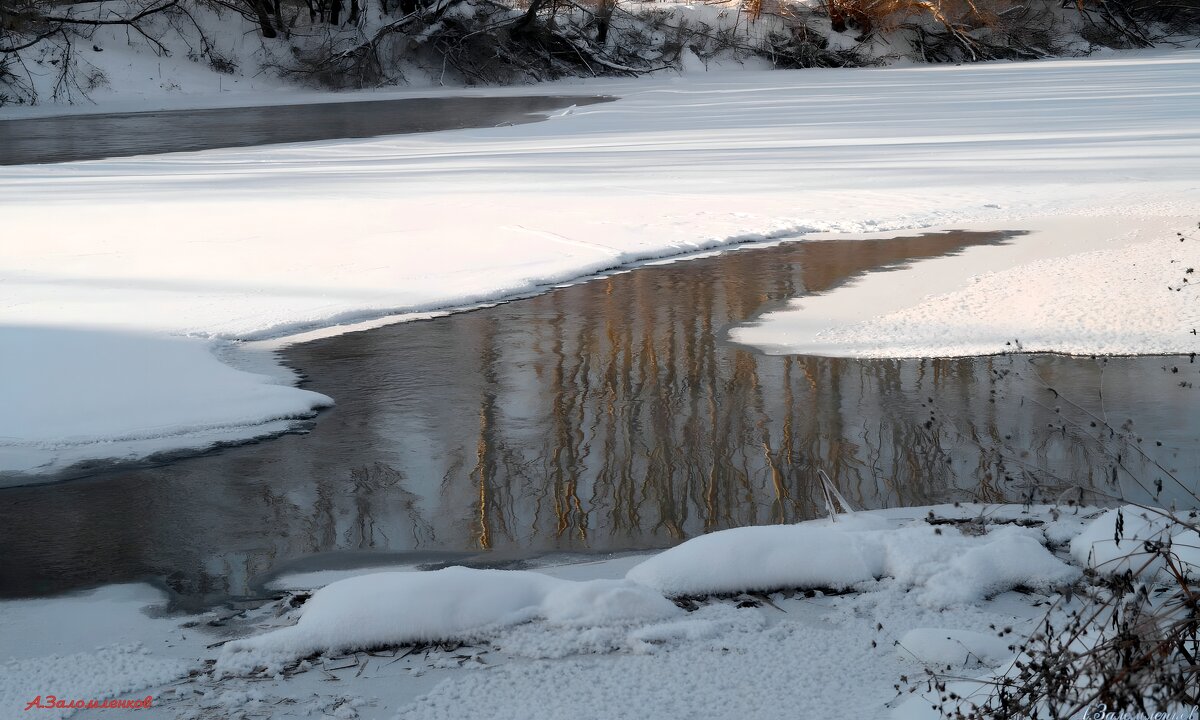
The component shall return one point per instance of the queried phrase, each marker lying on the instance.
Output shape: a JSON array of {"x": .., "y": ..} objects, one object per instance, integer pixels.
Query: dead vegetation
[
  {"x": 39, "y": 37},
  {"x": 490, "y": 42},
  {"x": 1125, "y": 642},
  {"x": 507, "y": 41},
  {"x": 478, "y": 42},
  {"x": 359, "y": 43}
]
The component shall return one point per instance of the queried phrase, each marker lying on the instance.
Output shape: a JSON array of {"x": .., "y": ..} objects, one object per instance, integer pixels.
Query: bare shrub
[
  {"x": 954, "y": 30},
  {"x": 8, "y": 80},
  {"x": 50, "y": 35},
  {"x": 800, "y": 45},
  {"x": 1126, "y": 641},
  {"x": 1176, "y": 16},
  {"x": 479, "y": 42}
]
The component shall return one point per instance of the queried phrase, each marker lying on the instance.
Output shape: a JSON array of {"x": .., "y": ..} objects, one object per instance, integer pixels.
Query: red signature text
[{"x": 53, "y": 702}]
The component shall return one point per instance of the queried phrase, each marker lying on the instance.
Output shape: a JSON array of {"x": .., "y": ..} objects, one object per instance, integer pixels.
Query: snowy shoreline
[
  {"x": 182, "y": 250},
  {"x": 1017, "y": 297},
  {"x": 827, "y": 621},
  {"x": 145, "y": 297}
]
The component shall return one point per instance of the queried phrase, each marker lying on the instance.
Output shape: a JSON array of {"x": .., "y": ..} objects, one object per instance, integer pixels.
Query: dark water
[
  {"x": 92, "y": 137},
  {"x": 605, "y": 416}
]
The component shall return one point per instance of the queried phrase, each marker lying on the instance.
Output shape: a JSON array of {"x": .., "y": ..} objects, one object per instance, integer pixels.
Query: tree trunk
[
  {"x": 603, "y": 20},
  {"x": 530, "y": 15},
  {"x": 264, "y": 20}
]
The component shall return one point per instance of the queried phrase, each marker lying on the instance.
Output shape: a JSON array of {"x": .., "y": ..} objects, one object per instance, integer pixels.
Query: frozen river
[{"x": 604, "y": 416}]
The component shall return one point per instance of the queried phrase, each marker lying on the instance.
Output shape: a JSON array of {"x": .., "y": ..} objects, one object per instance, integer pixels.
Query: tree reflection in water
[{"x": 604, "y": 416}]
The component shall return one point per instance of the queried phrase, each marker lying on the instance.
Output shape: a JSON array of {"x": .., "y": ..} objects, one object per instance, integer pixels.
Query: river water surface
[
  {"x": 605, "y": 416},
  {"x": 97, "y": 136}
]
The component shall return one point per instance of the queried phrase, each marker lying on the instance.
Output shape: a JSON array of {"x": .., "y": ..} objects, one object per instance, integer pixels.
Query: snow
[
  {"x": 574, "y": 638},
  {"x": 946, "y": 567},
  {"x": 96, "y": 645},
  {"x": 257, "y": 243},
  {"x": 1127, "y": 300},
  {"x": 231, "y": 66},
  {"x": 568, "y": 566},
  {"x": 765, "y": 557},
  {"x": 63, "y": 625},
  {"x": 157, "y": 393},
  {"x": 1100, "y": 546},
  {"x": 105, "y": 673},
  {"x": 940, "y": 648},
  {"x": 761, "y": 672},
  {"x": 386, "y": 609},
  {"x": 127, "y": 73},
  {"x": 1005, "y": 561}
]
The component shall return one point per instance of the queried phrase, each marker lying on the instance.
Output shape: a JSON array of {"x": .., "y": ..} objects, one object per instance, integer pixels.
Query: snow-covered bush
[
  {"x": 363, "y": 43},
  {"x": 1129, "y": 641}
]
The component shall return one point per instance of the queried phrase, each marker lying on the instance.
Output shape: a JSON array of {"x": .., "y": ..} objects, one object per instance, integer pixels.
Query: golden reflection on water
[
  {"x": 611, "y": 414},
  {"x": 648, "y": 426},
  {"x": 602, "y": 416}
]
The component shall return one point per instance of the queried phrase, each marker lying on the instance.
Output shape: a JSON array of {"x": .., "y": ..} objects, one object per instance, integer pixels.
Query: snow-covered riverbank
[
  {"x": 828, "y": 620},
  {"x": 263, "y": 242},
  {"x": 1121, "y": 285}
]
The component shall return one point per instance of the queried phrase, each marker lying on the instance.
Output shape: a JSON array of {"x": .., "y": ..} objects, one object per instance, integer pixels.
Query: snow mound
[
  {"x": 765, "y": 557},
  {"x": 386, "y": 609},
  {"x": 1000, "y": 564},
  {"x": 949, "y": 568},
  {"x": 599, "y": 602}
]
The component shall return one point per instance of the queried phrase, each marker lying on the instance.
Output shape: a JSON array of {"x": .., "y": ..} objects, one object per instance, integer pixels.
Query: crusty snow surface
[
  {"x": 262, "y": 242},
  {"x": 1141, "y": 298},
  {"x": 599, "y": 638}
]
